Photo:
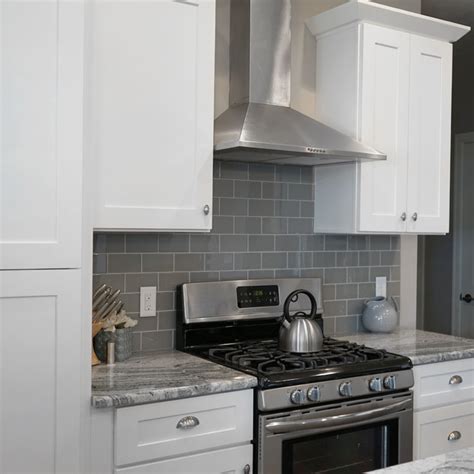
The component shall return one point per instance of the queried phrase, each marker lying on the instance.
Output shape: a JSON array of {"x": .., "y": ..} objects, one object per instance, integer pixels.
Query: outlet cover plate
[{"x": 147, "y": 301}]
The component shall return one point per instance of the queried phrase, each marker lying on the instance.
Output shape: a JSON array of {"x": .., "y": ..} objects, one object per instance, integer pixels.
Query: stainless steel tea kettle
[{"x": 300, "y": 332}]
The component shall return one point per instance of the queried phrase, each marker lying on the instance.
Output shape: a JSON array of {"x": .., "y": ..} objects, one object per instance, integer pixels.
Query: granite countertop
[
  {"x": 422, "y": 347},
  {"x": 453, "y": 462},
  {"x": 159, "y": 376}
]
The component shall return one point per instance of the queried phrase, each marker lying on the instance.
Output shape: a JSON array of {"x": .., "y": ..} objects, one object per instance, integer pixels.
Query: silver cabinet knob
[
  {"x": 187, "y": 423},
  {"x": 206, "y": 209},
  {"x": 247, "y": 469},
  {"x": 454, "y": 436},
  {"x": 403, "y": 217},
  {"x": 415, "y": 216},
  {"x": 455, "y": 380}
]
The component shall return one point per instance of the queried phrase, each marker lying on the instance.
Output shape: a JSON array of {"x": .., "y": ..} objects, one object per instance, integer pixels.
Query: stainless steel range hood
[{"x": 260, "y": 125}]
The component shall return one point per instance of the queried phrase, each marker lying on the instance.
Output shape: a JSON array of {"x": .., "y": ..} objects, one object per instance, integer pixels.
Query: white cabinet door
[
  {"x": 430, "y": 135},
  {"x": 150, "y": 104},
  {"x": 41, "y": 72},
  {"x": 237, "y": 460},
  {"x": 384, "y": 125},
  {"x": 40, "y": 349}
]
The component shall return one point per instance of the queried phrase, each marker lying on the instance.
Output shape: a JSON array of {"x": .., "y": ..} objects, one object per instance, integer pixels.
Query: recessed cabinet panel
[
  {"x": 41, "y": 141},
  {"x": 151, "y": 91},
  {"x": 429, "y": 143},
  {"x": 384, "y": 125}
]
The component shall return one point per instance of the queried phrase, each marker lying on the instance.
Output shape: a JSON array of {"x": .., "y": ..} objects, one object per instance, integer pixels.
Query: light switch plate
[
  {"x": 147, "y": 301},
  {"x": 381, "y": 286}
]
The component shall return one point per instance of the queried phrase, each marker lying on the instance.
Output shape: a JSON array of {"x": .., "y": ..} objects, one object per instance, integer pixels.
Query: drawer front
[
  {"x": 443, "y": 383},
  {"x": 445, "y": 429},
  {"x": 236, "y": 460},
  {"x": 179, "y": 427}
]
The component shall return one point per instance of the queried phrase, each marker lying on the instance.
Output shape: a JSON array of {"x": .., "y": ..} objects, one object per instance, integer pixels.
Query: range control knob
[
  {"x": 375, "y": 384},
  {"x": 345, "y": 389},
  {"x": 297, "y": 396},
  {"x": 389, "y": 382},
  {"x": 314, "y": 394}
]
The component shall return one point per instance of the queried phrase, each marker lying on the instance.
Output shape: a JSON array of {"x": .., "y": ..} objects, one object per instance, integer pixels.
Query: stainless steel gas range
[{"x": 344, "y": 409}]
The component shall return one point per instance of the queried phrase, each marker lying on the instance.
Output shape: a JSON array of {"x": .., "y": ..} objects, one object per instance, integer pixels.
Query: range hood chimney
[{"x": 260, "y": 125}]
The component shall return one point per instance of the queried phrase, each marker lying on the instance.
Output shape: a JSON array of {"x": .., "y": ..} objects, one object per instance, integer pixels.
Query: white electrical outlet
[
  {"x": 147, "y": 301},
  {"x": 381, "y": 286}
]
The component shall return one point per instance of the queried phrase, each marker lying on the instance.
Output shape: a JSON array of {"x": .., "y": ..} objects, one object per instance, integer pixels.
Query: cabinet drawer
[
  {"x": 443, "y": 383},
  {"x": 224, "y": 461},
  {"x": 181, "y": 427},
  {"x": 432, "y": 429}
]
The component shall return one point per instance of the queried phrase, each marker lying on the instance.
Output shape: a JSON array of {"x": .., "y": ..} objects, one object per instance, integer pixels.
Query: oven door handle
[{"x": 281, "y": 427}]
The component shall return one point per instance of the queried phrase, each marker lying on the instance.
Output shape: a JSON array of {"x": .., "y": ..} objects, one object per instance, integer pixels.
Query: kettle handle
[{"x": 292, "y": 297}]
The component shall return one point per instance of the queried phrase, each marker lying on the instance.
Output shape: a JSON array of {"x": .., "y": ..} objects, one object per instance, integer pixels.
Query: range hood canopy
[{"x": 260, "y": 125}]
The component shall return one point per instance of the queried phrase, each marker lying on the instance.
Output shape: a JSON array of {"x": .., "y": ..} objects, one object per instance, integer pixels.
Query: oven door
[{"x": 353, "y": 437}]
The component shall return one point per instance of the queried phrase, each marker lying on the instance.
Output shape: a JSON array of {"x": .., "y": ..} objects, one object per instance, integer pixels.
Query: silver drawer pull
[
  {"x": 455, "y": 380},
  {"x": 454, "y": 436},
  {"x": 187, "y": 422}
]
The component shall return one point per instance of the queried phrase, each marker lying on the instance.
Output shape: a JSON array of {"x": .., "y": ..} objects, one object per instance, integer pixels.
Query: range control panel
[{"x": 256, "y": 296}]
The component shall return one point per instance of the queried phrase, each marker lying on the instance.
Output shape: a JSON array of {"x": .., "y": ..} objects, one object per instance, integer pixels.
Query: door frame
[{"x": 459, "y": 141}]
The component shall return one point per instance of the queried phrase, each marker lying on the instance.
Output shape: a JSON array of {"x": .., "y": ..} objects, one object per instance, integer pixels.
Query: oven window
[{"x": 350, "y": 451}]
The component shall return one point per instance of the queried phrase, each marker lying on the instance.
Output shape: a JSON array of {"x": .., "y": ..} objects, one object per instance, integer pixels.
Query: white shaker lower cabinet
[
  {"x": 384, "y": 77},
  {"x": 40, "y": 356},
  {"x": 150, "y": 106},
  {"x": 41, "y": 72},
  {"x": 208, "y": 434},
  {"x": 444, "y": 407}
]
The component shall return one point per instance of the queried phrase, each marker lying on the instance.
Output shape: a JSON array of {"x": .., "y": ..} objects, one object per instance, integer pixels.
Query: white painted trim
[{"x": 460, "y": 140}]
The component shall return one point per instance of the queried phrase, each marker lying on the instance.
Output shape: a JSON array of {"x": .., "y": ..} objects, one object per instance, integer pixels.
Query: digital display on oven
[{"x": 255, "y": 296}]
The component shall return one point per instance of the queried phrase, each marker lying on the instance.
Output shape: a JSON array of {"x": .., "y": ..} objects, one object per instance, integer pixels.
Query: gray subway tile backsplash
[{"x": 262, "y": 228}]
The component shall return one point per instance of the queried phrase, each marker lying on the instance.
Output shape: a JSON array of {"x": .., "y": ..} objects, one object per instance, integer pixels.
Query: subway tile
[
  {"x": 109, "y": 243},
  {"x": 134, "y": 281},
  {"x": 233, "y": 275},
  {"x": 335, "y": 308},
  {"x": 358, "y": 242},
  {"x": 329, "y": 325},
  {"x": 289, "y": 243},
  {"x": 99, "y": 263},
  {"x": 274, "y": 225},
  {"x": 170, "y": 281},
  {"x": 261, "y": 274},
  {"x": 157, "y": 262},
  {"x": 347, "y": 259},
  {"x": 312, "y": 242},
  {"x": 289, "y": 174},
  {"x": 165, "y": 300},
  {"x": 300, "y": 225},
  {"x": 174, "y": 243},
  {"x": 335, "y": 275},
  {"x": 216, "y": 169},
  {"x": 395, "y": 242},
  {"x": 219, "y": 261},
  {"x": 390, "y": 257},
  {"x": 312, "y": 273},
  {"x": 369, "y": 259},
  {"x": 366, "y": 290},
  {"x": 233, "y": 243},
  {"x": 234, "y": 207},
  {"x": 205, "y": 243},
  {"x": 247, "y": 261},
  {"x": 307, "y": 175},
  {"x": 248, "y": 189},
  {"x": 287, "y": 273},
  {"x": 300, "y": 260},
  {"x": 166, "y": 320},
  {"x": 189, "y": 262},
  {"x": 234, "y": 170},
  {"x": 324, "y": 259},
  {"x": 216, "y": 206},
  {"x": 393, "y": 288},
  {"x": 355, "y": 306},
  {"x": 124, "y": 263},
  {"x": 395, "y": 274},
  {"x": 223, "y": 188},
  {"x": 157, "y": 340},
  {"x": 275, "y": 191},
  {"x": 357, "y": 274},
  {"x": 287, "y": 208},
  {"x": 346, "y": 291},
  {"x": 380, "y": 242},
  {"x": 335, "y": 242},
  {"x": 222, "y": 225},
  {"x": 136, "y": 342},
  {"x": 274, "y": 260},
  {"x": 379, "y": 272},
  {"x": 346, "y": 325},
  {"x": 261, "y": 207},
  {"x": 146, "y": 324},
  {"x": 301, "y": 192},
  {"x": 248, "y": 225},
  {"x": 261, "y": 243},
  {"x": 141, "y": 243},
  {"x": 261, "y": 172},
  {"x": 116, "y": 281},
  {"x": 329, "y": 292},
  {"x": 204, "y": 276},
  {"x": 306, "y": 209},
  {"x": 131, "y": 302}
]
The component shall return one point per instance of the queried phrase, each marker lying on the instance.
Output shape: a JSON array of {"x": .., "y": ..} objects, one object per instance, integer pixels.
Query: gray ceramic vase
[
  {"x": 379, "y": 315},
  {"x": 123, "y": 344}
]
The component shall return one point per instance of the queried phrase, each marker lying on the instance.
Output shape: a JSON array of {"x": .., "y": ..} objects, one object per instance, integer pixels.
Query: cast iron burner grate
[{"x": 265, "y": 358}]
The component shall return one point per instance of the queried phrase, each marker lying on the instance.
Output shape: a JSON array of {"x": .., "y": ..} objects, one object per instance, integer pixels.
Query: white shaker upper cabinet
[
  {"x": 384, "y": 77},
  {"x": 41, "y": 75},
  {"x": 150, "y": 93}
]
